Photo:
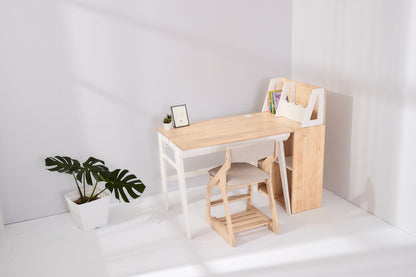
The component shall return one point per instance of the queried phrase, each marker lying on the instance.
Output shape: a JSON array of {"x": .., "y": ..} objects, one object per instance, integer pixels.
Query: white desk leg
[
  {"x": 283, "y": 176},
  {"x": 182, "y": 187},
  {"x": 163, "y": 170}
]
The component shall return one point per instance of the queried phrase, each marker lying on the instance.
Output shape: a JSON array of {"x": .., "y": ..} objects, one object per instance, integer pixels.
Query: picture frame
[{"x": 180, "y": 116}]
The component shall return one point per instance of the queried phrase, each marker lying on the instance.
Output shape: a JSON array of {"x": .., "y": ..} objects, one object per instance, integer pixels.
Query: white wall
[
  {"x": 364, "y": 53},
  {"x": 95, "y": 78}
]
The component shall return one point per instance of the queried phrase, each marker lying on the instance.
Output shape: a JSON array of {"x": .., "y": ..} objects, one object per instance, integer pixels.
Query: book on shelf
[
  {"x": 274, "y": 97},
  {"x": 271, "y": 103}
]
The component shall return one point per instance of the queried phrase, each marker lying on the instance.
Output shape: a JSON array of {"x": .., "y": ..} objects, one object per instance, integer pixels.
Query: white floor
[{"x": 338, "y": 239}]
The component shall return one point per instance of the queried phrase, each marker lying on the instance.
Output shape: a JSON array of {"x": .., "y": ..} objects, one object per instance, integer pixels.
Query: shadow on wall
[
  {"x": 38, "y": 110},
  {"x": 364, "y": 51},
  {"x": 367, "y": 199},
  {"x": 338, "y": 140}
]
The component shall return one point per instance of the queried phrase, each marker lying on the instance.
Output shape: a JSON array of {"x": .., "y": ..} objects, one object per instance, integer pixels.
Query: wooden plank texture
[
  {"x": 308, "y": 162},
  {"x": 303, "y": 93},
  {"x": 277, "y": 185},
  {"x": 228, "y": 130},
  {"x": 230, "y": 199},
  {"x": 245, "y": 220}
]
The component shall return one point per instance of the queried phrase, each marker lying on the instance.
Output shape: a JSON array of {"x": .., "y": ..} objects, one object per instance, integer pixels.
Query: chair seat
[{"x": 242, "y": 173}]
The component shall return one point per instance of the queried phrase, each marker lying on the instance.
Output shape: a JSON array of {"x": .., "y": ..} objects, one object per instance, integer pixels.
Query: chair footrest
[
  {"x": 230, "y": 199},
  {"x": 245, "y": 220}
]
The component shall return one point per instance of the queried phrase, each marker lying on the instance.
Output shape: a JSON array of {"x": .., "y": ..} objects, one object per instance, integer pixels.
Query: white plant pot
[
  {"x": 167, "y": 126},
  {"x": 91, "y": 215}
]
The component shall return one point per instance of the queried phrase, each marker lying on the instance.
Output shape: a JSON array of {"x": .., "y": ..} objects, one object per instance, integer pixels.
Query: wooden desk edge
[{"x": 288, "y": 124}]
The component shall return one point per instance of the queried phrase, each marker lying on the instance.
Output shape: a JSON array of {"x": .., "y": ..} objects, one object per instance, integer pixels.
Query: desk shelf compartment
[
  {"x": 277, "y": 185},
  {"x": 304, "y": 152}
]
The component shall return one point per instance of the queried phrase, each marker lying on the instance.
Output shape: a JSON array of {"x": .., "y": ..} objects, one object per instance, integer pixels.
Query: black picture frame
[{"x": 180, "y": 116}]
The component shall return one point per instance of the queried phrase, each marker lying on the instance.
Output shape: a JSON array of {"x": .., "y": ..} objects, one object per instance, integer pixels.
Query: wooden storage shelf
[
  {"x": 277, "y": 197},
  {"x": 246, "y": 220},
  {"x": 304, "y": 151},
  {"x": 306, "y": 170}
]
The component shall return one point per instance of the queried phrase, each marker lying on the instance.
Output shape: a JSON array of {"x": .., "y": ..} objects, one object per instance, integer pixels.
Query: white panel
[
  {"x": 365, "y": 60},
  {"x": 316, "y": 95},
  {"x": 291, "y": 111}
]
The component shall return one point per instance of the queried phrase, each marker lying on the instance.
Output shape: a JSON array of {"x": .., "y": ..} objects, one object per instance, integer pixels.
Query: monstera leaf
[
  {"x": 94, "y": 167},
  {"x": 63, "y": 164},
  {"x": 118, "y": 180},
  {"x": 94, "y": 170}
]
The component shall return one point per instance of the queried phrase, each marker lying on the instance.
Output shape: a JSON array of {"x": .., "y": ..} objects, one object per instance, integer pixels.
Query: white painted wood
[
  {"x": 198, "y": 152},
  {"x": 190, "y": 174},
  {"x": 285, "y": 91},
  {"x": 317, "y": 95},
  {"x": 169, "y": 160},
  {"x": 299, "y": 113},
  {"x": 182, "y": 189},
  {"x": 291, "y": 111},
  {"x": 169, "y": 143},
  {"x": 222, "y": 147},
  {"x": 281, "y": 137},
  {"x": 162, "y": 161},
  {"x": 292, "y": 89},
  {"x": 283, "y": 175}
]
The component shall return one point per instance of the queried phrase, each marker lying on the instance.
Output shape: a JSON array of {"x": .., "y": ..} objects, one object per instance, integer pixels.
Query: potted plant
[
  {"x": 167, "y": 122},
  {"x": 89, "y": 204}
]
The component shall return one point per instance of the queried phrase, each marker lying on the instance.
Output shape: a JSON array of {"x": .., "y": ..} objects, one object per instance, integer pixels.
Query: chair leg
[
  {"x": 230, "y": 233},
  {"x": 208, "y": 204},
  {"x": 250, "y": 199},
  {"x": 275, "y": 223}
]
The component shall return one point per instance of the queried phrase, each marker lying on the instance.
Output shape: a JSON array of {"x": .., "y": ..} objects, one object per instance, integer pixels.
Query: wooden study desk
[
  {"x": 298, "y": 171},
  {"x": 201, "y": 138}
]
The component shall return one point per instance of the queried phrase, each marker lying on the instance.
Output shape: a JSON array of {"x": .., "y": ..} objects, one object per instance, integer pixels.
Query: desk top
[{"x": 228, "y": 130}]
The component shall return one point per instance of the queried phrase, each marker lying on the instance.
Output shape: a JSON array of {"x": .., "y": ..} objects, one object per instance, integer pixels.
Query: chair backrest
[{"x": 252, "y": 151}]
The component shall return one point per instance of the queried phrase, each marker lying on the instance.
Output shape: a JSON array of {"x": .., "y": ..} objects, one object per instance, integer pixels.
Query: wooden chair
[{"x": 236, "y": 172}]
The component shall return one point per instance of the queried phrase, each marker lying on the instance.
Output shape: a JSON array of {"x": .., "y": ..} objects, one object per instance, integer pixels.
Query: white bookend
[
  {"x": 317, "y": 95},
  {"x": 291, "y": 111},
  {"x": 299, "y": 113},
  {"x": 292, "y": 90}
]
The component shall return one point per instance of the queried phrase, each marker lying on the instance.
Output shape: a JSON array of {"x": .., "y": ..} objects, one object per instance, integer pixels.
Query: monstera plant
[
  {"x": 93, "y": 171},
  {"x": 87, "y": 176}
]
